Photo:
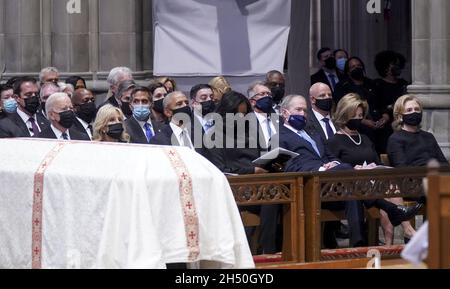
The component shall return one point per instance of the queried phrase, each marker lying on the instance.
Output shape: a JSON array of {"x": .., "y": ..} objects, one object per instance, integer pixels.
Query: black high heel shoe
[{"x": 401, "y": 214}]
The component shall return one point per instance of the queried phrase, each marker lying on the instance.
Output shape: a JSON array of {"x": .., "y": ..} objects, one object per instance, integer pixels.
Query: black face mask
[
  {"x": 158, "y": 106},
  {"x": 357, "y": 74},
  {"x": 354, "y": 124},
  {"x": 115, "y": 131},
  {"x": 324, "y": 104},
  {"x": 330, "y": 63},
  {"x": 32, "y": 104},
  {"x": 126, "y": 109},
  {"x": 278, "y": 93},
  {"x": 183, "y": 110},
  {"x": 66, "y": 118},
  {"x": 208, "y": 107},
  {"x": 265, "y": 104},
  {"x": 413, "y": 119},
  {"x": 87, "y": 112},
  {"x": 396, "y": 71}
]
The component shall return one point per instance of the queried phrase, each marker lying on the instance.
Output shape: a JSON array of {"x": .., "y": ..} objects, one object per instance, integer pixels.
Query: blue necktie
[
  {"x": 333, "y": 81},
  {"x": 208, "y": 125},
  {"x": 148, "y": 131},
  {"x": 65, "y": 136},
  {"x": 306, "y": 137},
  {"x": 330, "y": 131}
]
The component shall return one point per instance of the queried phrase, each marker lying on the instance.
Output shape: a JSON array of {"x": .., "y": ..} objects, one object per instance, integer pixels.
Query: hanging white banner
[{"x": 227, "y": 37}]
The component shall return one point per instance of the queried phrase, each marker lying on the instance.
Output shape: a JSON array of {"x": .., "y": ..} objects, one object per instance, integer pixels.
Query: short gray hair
[
  {"x": 169, "y": 97},
  {"x": 46, "y": 86},
  {"x": 50, "y": 103},
  {"x": 124, "y": 86},
  {"x": 251, "y": 90},
  {"x": 286, "y": 103},
  {"x": 117, "y": 73},
  {"x": 45, "y": 71}
]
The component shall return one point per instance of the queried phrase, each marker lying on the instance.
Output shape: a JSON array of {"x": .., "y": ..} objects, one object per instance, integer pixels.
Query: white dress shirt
[
  {"x": 86, "y": 127},
  {"x": 262, "y": 119},
  {"x": 59, "y": 133},
  {"x": 178, "y": 131}
]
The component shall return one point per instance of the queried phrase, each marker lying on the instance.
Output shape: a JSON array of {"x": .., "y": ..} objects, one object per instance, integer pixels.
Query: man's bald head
[{"x": 318, "y": 89}]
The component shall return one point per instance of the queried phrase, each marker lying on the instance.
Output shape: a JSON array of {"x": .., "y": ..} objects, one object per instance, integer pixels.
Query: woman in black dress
[
  {"x": 358, "y": 150},
  {"x": 410, "y": 145},
  {"x": 388, "y": 89}
]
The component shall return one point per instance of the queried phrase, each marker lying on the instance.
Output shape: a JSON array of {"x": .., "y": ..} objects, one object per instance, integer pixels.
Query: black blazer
[
  {"x": 308, "y": 160},
  {"x": 112, "y": 101},
  {"x": 164, "y": 137},
  {"x": 74, "y": 134},
  {"x": 320, "y": 76},
  {"x": 8, "y": 129},
  {"x": 133, "y": 128},
  {"x": 313, "y": 125},
  {"x": 78, "y": 126},
  {"x": 234, "y": 160},
  {"x": 23, "y": 128}
]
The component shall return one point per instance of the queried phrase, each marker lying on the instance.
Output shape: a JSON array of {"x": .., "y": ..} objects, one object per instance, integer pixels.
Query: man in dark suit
[
  {"x": 328, "y": 73},
  {"x": 83, "y": 101},
  {"x": 116, "y": 76},
  {"x": 319, "y": 116},
  {"x": 260, "y": 97},
  {"x": 140, "y": 127},
  {"x": 28, "y": 122},
  {"x": 315, "y": 156},
  {"x": 177, "y": 132},
  {"x": 60, "y": 113}
]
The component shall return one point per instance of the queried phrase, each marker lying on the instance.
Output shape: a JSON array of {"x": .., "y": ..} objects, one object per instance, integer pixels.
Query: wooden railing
[
  {"x": 303, "y": 193},
  {"x": 439, "y": 220}
]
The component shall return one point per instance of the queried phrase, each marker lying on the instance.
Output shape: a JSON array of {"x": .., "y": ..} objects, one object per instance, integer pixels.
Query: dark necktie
[
  {"x": 330, "y": 131},
  {"x": 34, "y": 126},
  {"x": 90, "y": 129},
  {"x": 333, "y": 81},
  {"x": 269, "y": 128},
  {"x": 65, "y": 136},
  {"x": 148, "y": 131}
]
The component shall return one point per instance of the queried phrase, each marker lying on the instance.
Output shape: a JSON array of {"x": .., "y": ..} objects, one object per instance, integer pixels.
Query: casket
[{"x": 102, "y": 205}]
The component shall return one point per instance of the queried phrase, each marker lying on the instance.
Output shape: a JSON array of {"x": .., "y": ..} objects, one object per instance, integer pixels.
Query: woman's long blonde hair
[
  {"x": 399, "y": 110},
  {"x": 104, "y": 115},
  {"x": 347, "y": 107}
]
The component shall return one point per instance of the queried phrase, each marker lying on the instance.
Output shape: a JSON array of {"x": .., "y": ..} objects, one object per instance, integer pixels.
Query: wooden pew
[
  {"x": 439, "y": 220},
  {"x": 353, "y": 185},
  {"x": 271, "y": 189}
]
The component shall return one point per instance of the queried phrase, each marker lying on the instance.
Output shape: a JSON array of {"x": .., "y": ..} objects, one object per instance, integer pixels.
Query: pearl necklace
[{"x": 356, "y": 143}]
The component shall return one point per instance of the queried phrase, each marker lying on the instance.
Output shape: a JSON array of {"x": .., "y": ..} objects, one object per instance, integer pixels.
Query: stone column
[
  {"x": 431, "y": 65},
  {"x": 20, "y": 35},
  {"x": 315, "y": 38}
]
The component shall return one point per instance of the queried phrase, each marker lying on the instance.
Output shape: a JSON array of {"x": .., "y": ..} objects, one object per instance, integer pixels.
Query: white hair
[
  {"x": 52, "y": 99},
  {"x": 47, "y": 86},
  {"x": 251, "y": 90},
  {"x": 117, "y": 73},
  {"x": 46, "y": 70},
  {"x": 168, "y": 99},
  {"x": 63, "y": 86},
  {"x": 286, "y": 104}
]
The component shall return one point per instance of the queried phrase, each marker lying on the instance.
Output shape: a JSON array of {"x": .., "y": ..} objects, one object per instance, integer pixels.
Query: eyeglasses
[{"x": 263, "y": 94}]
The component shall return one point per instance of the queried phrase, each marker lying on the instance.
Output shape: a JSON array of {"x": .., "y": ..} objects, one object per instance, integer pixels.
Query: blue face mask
[
  {"x": 265, "y": 104},
  {"x": 297, "y": 121},
  {"x": 10, "y": 105},
  {"x": 340, "y": 63},
  {"x": 141, "y": 112}
]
